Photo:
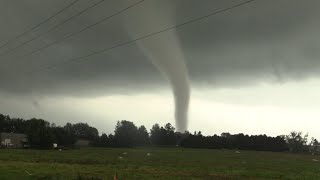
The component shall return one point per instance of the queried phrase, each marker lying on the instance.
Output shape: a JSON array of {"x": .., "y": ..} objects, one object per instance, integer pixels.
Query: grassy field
[{"x": 161, "y": 163}]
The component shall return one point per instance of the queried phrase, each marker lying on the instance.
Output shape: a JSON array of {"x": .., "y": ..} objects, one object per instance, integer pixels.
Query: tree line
[{"x": 41, "y": 134}]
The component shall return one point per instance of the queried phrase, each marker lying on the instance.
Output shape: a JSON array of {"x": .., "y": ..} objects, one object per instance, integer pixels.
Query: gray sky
[{"x": 254, "y": 69}]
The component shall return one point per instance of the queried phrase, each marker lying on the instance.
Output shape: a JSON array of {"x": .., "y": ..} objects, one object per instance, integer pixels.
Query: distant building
[
  {"x": 82, "y": 143},
  {"x": 14, "y": 140},
  {"x": 315, "y": 149}
]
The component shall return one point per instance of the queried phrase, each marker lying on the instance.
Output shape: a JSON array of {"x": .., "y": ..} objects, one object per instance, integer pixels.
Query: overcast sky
[{"x": 253, "y": 69}]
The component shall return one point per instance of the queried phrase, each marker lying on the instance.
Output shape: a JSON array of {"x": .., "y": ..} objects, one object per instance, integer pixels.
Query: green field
[{"x": 162, "y": 163}]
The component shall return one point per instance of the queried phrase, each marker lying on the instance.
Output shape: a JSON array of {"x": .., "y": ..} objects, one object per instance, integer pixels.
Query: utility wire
[
  {"x": 84, "y": 29},
  {"x": 38, "y": 25},
  {"x": 53, "y": 28},
  {"x": 151, "y": 34}
]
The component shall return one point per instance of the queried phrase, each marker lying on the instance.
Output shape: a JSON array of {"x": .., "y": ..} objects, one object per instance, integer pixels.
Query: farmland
[{"x": 155, "y": 163}]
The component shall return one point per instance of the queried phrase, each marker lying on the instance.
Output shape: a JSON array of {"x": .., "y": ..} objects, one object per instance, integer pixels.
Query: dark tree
[
  {"x": 84, "y": 131},
  {"x": 125, "y": 134},
  {"x": 163, "y": 136},
  {"x": 62, "y": 136},
  {"x": 170, "y": 137},
  {"x": 103, "y": 141},
  {"x": 39, "y": 133},
  {"x": 142, "y": 137},
  {"x": 155, "y": 134},
  {"x": 297, "y": 142},
  {"x": 5, "y": 123},
  {"x": 314, "y": 146}
]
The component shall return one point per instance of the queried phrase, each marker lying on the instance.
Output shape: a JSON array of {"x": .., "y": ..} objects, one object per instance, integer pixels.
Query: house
[
  {"x": 82, "y": 143},
  {"x": 315, "y": 149},
  {"x": 14, "y": 140}
]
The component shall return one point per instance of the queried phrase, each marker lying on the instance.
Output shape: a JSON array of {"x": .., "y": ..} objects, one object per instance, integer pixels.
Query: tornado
[{"x": 164, "y": 51}]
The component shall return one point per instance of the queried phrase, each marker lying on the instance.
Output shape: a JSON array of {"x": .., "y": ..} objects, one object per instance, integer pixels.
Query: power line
[
  {"x": 84, "y": 29},
  {"x": 53, "y": 28},
  {"x": 151, "y": 34},
  {"x": 38, "y": 25}
]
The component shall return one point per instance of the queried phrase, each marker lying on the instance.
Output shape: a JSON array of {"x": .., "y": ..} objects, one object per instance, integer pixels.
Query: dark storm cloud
[{"x": 264, "y": 41}]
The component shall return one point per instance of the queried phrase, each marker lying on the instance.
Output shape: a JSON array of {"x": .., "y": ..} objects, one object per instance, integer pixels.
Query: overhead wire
[
  {"x": 140, "y": 38},
  {"x": 83, "y": 29},
  {"x": 88, "y": 27},
  {"x": 150, "y": 34},
  {"x": 53, "y": 28},
  {"x": 145, "y": 36},
  {"x": 39, "y": 24}
]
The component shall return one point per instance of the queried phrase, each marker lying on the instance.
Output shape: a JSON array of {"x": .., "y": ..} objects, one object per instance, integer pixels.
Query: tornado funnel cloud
[
  {"x": 166, "y": 54},
  {"x": 181, "y": 108}
]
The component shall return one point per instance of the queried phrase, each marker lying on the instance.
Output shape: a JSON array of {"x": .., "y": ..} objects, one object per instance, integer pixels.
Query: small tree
[
  {"x": 39, "y": 133},
  {"x": 297, "y": 142},
  {"x": 142, "y": 136},
  {"x": 170, "y": 138},
  {"x": 125, "y": 134},
  {"x": 155, "y": 134},
  {"x": 314, "y": 146},
  {"x": 83, "y": 130}
]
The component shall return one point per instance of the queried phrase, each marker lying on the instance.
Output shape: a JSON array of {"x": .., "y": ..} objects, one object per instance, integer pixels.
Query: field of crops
[{"x": 155, "y": 163}]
